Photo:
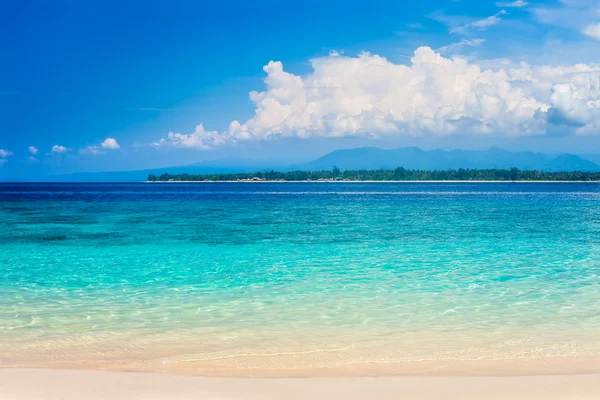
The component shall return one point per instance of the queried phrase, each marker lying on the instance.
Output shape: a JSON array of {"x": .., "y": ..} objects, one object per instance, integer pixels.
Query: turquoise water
[{"x": 283, "y": 274}]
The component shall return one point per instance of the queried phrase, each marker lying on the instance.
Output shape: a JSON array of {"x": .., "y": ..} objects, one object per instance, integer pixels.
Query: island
[{"x": 385, "y": 175}]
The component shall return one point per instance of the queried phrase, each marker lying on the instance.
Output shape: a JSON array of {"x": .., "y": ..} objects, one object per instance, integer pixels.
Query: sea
[{"x": 291, "y": 279}]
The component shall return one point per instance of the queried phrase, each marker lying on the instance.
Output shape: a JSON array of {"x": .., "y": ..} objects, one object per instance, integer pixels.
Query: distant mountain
[
  {"x": 361, "y": 158},
  {"x": 415, "y": 158},
  {"x": 570, "y": 162},
  {"x": 595, "y": 158}
]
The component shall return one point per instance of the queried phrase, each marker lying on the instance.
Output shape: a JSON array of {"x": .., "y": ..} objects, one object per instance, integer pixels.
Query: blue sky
[{"x": 380, "y": 73}]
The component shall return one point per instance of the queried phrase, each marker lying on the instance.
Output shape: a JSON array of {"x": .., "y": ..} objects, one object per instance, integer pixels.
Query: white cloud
[
  {"x": 568, "y": 108},
  {"x": 3, "y": 161},
  {"x": 592, "y": 30},
  {"x": 32, "y": 159},
  {"x": 369, "y": 95},
  {"x": 512, "y": 4},
  {"x": 199, "y": 139},
  {"x": 110, "y": 144},
  {"x": 577, "y": 102},
  {"x": 32, "y": 150},
  {"x": 107, "y": 144},
  {"x": 57, "y": 149},
  {"x": 5, "y": 153},
  {"x": 481, "y": 24}
]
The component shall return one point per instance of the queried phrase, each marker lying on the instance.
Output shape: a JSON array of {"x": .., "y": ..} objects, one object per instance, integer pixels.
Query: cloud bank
[{"x": 369, "y": 95}]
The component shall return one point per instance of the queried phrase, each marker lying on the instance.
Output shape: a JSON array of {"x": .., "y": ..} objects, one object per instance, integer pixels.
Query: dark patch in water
[
  {"x": 99, "y": 235},
  {"x": 70, "y": 219},
  {"x": 52, "y": 238},
  {"x": 17, "y": 209},
  {"x": 134, "y": 220}
]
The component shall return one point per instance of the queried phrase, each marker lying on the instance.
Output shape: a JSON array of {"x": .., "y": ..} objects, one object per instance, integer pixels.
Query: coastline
[
  {"x": 16, "y": 384},
  {"x": 431, "y": 181},
  {"x": 286, "y": 366}
]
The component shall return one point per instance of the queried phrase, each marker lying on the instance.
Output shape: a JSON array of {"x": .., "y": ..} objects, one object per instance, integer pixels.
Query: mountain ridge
[{"x": 437, "y": 159}]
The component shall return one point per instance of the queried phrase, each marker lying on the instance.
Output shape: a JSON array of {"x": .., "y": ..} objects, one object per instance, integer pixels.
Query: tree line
[{"x": 398, "y": 174}]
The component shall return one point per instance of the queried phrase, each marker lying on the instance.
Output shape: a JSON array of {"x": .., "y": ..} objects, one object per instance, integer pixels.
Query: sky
[{"x": 124, "y": 85}]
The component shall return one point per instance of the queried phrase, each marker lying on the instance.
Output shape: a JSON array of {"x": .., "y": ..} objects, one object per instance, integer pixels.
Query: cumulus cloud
[
  {"x": 567, "y": 107},
  {"x": 57, "y": 149},
  {"x": 199, "y": 139},
  {"x": 110, "y": 144},
  {"x": 577, "y": 102},
  {"x": 481, "y": 24},
  {"x": 33, "y": 150},
  {"x": 5, "y": 153},
  {"x": 107, "y": 144},
  {"x": 369, "y": 95}
]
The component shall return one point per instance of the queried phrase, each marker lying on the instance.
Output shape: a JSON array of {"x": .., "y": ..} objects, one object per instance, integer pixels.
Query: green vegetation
[{"x": 398, "y": 174}]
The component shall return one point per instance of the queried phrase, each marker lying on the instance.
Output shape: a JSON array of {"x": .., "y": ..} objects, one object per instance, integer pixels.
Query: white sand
[{"x": 73, "y": 384}]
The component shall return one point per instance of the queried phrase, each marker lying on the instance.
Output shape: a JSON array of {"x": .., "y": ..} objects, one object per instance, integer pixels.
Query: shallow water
[{"x": 284, "y": 275}]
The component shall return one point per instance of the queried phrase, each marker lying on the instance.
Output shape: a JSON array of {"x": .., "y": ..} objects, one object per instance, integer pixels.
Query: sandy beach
[{"x": 27, "y": 384}]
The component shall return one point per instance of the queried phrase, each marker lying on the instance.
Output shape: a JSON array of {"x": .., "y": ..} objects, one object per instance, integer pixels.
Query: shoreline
[
  {"x": 432, "y": 181},
  {"x": 49, "y": 384},
  {"x": 287, "y": 367}
]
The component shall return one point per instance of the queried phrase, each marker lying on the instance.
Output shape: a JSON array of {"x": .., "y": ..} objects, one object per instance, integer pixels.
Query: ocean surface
[{"x": 268, "y": 276}]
